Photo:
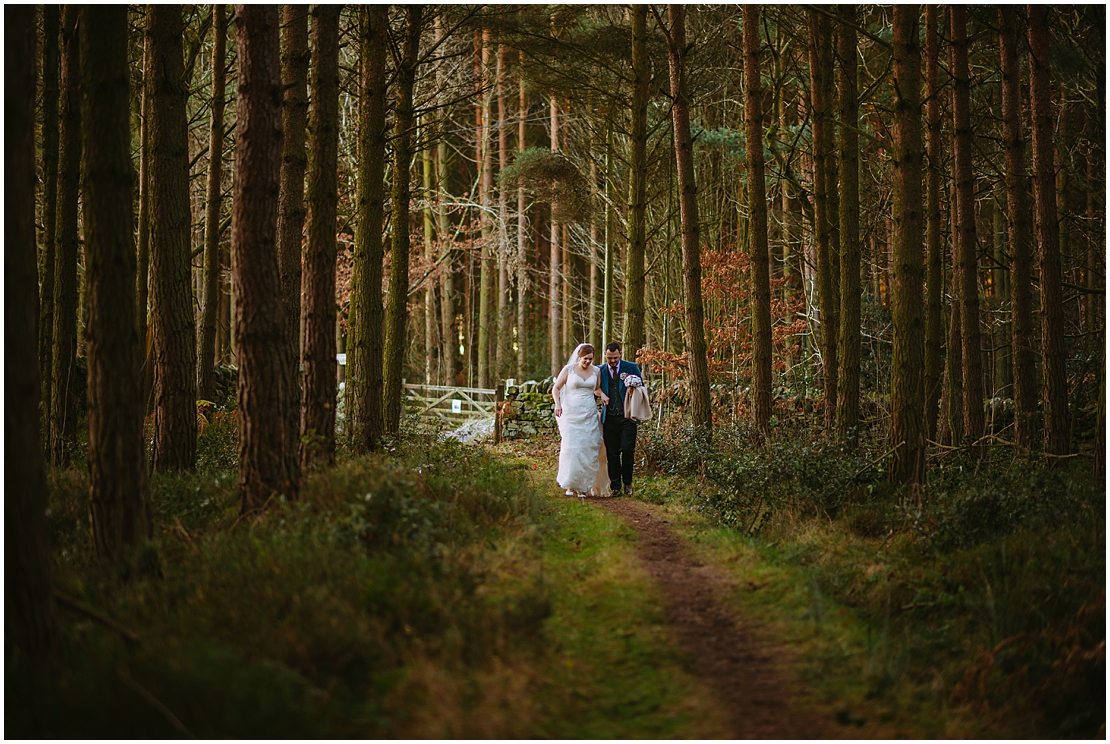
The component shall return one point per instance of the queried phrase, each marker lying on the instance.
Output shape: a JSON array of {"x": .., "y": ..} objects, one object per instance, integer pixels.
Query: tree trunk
[
  {"x": 757, "y": 205},
  {"x": 1055, "y": 387},
  {"x": 431, "y": 348},
  {"x": 399, "y": 260},
  {"x": 206, "y": 378},
  {"x": 63, "y": 384},
  {"x": 635, "y": 284},
  {"x": 700, "y": 405},
  {"x": 934, "y": 280},
  {"x": 821, "y": 66},
  {"x": 291, "y": 212},
  {"x": 503, "y": 332},
  {"x": 318, "y": 298},
  {"x": 485, "y": 189},
  {"x": 119, "y": 495},
  {"x": 521, "y": 238},
  {"x": 29, "y": 612},
  {"x": 951, "y": 429},
  {"x": 364, "y": 339},
  {"x": 907, "y": 389},
  {"x": 142, "y": 268},
  {"x": 175, "y": 358},
  {"x": 848, "y": 346},
  {"x": 448, "y": 293},
  {"x": 554, "y": 281},
  {"x": 608, "y": 329},
  {"x": 968, "y": 266},
  {"x": 260, "y": 339},
  {"x": 50, "y": 95}
]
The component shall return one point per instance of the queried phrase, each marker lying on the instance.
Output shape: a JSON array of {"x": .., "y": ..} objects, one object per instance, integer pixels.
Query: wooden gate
[{"x": 455, "y": 405}]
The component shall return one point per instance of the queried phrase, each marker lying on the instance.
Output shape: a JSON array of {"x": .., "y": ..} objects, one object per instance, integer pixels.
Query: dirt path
[{"x": 754, "y": 679}]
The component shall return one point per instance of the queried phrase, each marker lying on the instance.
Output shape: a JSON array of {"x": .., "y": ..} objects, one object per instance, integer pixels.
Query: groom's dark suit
[{"x": 618, "y": 431}]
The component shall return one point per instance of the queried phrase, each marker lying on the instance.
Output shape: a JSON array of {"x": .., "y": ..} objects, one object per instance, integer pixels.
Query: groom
[{"x": 619, "y": 432}]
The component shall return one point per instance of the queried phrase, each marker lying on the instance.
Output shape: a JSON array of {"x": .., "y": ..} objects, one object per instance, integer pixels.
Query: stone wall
[{"x": 528, "y": 411}]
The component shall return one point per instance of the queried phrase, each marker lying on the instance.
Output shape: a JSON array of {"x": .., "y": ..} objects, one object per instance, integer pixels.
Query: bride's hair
[{"x": 586, "y": 349}]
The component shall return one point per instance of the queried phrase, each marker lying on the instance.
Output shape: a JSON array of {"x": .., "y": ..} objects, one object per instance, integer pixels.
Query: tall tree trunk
[
  {"x": 608, "y": 324},
  {"x": 968, "y": 267},
  {"x": 702, "y": 414},
  {"x": 907, "y": 389},
  {"x": 521, "y": 236},
  {"x": 934, "y": 280},
  {"x": 554, "y": 281},
  {"x": 399, "y": 260},
  {"x": 50, "y": 95},
  {"x": 175, "y": 357},
  {"x": 821, "y": 65},
  {"x": 291, "y": 213},
  {"x": 29, "y": 622},
  {"x": 364, "y": 339},
  {"x": 260, "y": 340},
  {"x": 634, "y": 283},
  {"x": 63, "y": 383},
  {"x": 951, "y": 429},
  {"x": 486, "y": 322},
  {"x": 448, "y": 293},
  {"x": 318, "y": 294},
  {"x": 206, "y": 378},
  {"x": 503, "y": 332},
  {"x": 847, "y": 415},
  {"x": 792, "y": 258},
  {"x": 119, "y": 495},
  {"x": 431, "y": 348},
  {"x": 593, "y": 332},
  {"x": 142, "y": 267},
  {"x": 1055, "y": 390},
  {"x": 757, "y": 206}
]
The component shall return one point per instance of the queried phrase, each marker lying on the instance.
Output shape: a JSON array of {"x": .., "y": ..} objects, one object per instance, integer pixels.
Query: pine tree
[{"x": 848, "y": 345}]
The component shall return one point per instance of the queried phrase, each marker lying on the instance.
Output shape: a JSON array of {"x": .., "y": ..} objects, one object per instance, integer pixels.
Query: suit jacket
[{"x": 624, "y": 369}]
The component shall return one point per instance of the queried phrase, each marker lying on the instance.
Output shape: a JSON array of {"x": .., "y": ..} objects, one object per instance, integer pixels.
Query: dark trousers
[{"x": 620, "y": 446}]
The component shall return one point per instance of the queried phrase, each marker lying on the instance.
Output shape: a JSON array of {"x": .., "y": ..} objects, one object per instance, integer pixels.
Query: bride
[{"x": 579, "y": 424}]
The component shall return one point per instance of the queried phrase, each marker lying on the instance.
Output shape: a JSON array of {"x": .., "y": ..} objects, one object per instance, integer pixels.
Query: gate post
[{"x": 499, "y": 400}]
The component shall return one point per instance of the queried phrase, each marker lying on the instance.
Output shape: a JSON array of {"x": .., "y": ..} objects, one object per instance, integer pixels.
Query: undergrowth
[
  {"x": 985, "y": 593},
  {"x": 368, "y": 603}
]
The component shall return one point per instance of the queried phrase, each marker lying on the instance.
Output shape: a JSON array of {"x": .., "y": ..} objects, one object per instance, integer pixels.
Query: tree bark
[
  {"x": 364, "y": 339},
  {"x": 206, "y": 378},
  {"x": 318, "y": 309},
  {"x": 399, "y": 260},
  {"x": 757, "y": 205},
  {"x": 486, "y": 320},
  {"x": 934, "y": 280},
  {"x": 554, "y": 279},
  {"x": 1020, "y": 232},
  {"x": 907, "y": 390},
  {"x": 262, "y": 393},
  {"x": 700, "y": 406},
  {"x": 448, "y": 294},
  {"x": 635, "y": 284},
  {"x": 431, "y": 348},
  {"x": 142, "y": 268},
  {"x": 63, "y": 384},
  {"x": 175, "y": 415},
  {"x": 503, "y": 333},
  {"x": 119, "y": 495},
  {"x": 521, "y": 237},
  {"x": 848, "y": 346},
  {"x": 29, "y": 622},
  {"x": 1055, "y": 387},
  {"x": 966, "y": 245},
  {"x": 50, "y": 96},
  {"x": 291, "y": 210},
  {"x": 821, "y": 66}
]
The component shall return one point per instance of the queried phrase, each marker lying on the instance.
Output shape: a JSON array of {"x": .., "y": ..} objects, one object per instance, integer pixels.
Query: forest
[{"x": 858, "y": 252}]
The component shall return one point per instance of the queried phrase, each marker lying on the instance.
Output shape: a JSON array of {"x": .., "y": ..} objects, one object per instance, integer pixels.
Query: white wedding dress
[{"x": 580, "y": 429}]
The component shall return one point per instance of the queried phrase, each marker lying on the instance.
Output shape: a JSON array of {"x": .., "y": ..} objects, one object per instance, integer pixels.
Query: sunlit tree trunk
[
  {"x": 291, "y": 209},
  {"x": 503, "y": 333},
  {"x": 821, "y": 69},
  {"x": 318, "y": 301},
  {"x": 486, "y": 321},
  {"x": 934, "y": 257},
  {"x": 431, "y": 348},
  {"x": 29, "y": 623},
  {"x": 907, "y": 391},
  {"x": 396, "y": 311},
  {"x": 364, "y": 339},
  {"x": 175, "y": 354},
  {"x": 700, "y": 406},
  {"x": 1055, "y": 388},
  {"x": 847, "y": 415},
  {"x": 206, "y": 379},
  {"x": 635, "y": 284},
  {"x": 757, "y": 205},
  {"x": 448, "y": 294},
  {"x": 262, "y": 390},
  {"x": 63, "y": 383},
  {"x": 119, "y": 495},
  {"x": 522, "y": 282},
  {"x": 554, "y": 280}
]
